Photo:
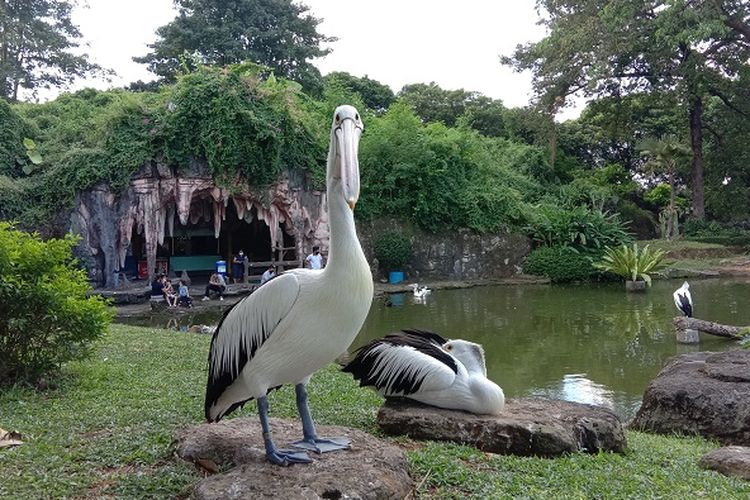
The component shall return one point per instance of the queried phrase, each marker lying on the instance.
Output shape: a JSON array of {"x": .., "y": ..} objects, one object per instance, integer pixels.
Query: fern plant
[{"x": 632, "y": 262}]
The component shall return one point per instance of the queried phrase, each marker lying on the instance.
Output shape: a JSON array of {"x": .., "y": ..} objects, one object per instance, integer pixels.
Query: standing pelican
[
  {"x": 683, "y": 300},
  {"x": 302, "y": 320},
  {"x": 424, "y": 366}
]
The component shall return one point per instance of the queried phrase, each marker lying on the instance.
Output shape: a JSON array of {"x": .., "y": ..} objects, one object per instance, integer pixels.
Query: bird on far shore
[
  {"x": 683, "y": 300},
  {"x": 419, "y": 291}
]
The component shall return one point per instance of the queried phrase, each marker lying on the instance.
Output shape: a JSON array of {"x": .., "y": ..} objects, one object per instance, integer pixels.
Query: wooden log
[{"x": 682, "y": 324}]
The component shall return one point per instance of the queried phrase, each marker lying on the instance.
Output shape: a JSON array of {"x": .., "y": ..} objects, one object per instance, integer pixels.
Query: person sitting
[
  {"x": 183, "y": 295},
  {"x": 157, "y": 287},
  {"x": 215, "y": 284},
  {"x": 268, "y": 275},
  {"x": 169, "y": 294}
]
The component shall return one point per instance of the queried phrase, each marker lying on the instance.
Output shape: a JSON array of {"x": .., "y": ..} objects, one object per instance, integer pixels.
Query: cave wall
[{"x": 105, "y": 220}]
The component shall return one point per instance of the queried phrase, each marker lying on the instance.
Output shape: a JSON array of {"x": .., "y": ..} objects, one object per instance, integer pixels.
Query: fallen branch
[{"x": 682, "y": 323}]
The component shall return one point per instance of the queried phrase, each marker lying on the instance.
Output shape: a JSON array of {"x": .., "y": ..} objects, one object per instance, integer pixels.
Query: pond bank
[{"x": 133, "y": 301}]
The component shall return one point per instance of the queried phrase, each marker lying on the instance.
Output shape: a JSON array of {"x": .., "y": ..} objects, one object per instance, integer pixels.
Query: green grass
[{"x": 106, "y": 430}]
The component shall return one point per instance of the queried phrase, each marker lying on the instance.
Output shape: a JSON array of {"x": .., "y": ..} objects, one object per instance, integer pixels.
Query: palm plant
[
  {"x": 663, "y": 155},
  {"x": 632, "y": 262}
]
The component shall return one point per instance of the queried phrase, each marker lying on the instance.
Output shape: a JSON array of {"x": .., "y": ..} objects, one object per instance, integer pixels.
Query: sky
[{"x": 396, "y": 42}]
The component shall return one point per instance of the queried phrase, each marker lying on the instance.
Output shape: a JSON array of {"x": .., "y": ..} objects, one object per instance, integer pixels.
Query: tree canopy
[
  {"x": 279, "y": 34},
  {"x": 611, "y": 48},
  {"x": 36, "y": 38}
]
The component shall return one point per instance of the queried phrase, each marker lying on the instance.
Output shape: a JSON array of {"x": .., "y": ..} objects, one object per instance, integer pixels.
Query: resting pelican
[
  {"x": 302, "y": 320},
  {"x": 683, "y": 300},
  {"x": 424, "y": 366},
  {"x": 419, "y": 291}
]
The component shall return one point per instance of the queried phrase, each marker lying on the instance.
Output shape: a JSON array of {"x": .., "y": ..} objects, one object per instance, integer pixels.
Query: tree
[
  {"x": 663, "y": 155},
  {"x": 274, "y": 33},
  {"x": 434, "y": 104},
  {"x": 692, "y": 49},
  {"x": 36, "y": 37},
  {"x": 374, "y": 94}
]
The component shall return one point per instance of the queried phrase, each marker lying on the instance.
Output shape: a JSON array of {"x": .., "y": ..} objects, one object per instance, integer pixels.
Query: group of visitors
[{"x": 162, "y": 287}]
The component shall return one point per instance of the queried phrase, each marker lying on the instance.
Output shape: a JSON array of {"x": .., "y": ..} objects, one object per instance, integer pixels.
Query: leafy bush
[
  {"x": 46, "y": 318},
  {"x": 583, "y": 228},
  {"x": 715, "y": 232},
  {"x": 559, "y": 263},
  {"x": 393, "y": 250},
  {"x": 632, "y": 262}
]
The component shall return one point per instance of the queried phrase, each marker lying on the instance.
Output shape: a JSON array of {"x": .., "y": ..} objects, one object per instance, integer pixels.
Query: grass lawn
[{"x": 105, "y": 431}]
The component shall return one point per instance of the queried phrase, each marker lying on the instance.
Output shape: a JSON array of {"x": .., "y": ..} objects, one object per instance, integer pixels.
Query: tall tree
[
  {"x": 279, "y": 34},
  {"x": 691, "y": 48},
  {"x": 36, "y": 37},
  {"x": 375, "y": 95}
]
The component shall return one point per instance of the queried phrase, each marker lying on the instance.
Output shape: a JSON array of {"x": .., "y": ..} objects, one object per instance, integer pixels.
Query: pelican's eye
[
  {"x": 356, "y": 117},
  {"x": 449, "y": 348},
  {"x": 338, "y": 118}
]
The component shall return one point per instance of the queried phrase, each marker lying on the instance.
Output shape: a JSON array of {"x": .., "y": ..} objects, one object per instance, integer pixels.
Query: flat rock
[
  {"x": 371, "y": 469},
  {"x": 730, "y": 460},
  {"x": 701, "y": 393},
  {"x": 527, "y": 427}
]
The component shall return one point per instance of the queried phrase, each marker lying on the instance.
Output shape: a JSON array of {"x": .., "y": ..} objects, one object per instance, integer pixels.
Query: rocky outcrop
[
  {"x": 157, "y": 197},
  {"x": 455, "y": 255},
  {"x": 372, "y": 469},
  {"x": 527, "y": 427},
  {"x": 730, "y": 461},
  {"x": 702, "y": 393}
]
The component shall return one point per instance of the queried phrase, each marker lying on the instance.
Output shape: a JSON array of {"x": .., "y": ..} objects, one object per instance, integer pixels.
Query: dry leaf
[
  {"x": 9, "y": 438},
  {"x": 207, "y": 465}
]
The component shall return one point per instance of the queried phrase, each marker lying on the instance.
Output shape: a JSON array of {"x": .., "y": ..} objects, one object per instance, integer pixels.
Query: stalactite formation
[{"x": 157, "y": 198}]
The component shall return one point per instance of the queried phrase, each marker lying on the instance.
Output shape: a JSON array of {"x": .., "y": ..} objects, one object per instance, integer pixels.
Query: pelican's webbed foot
[
  {"x": 323, "y": 445},
  {"x": 287, "y": 457}
]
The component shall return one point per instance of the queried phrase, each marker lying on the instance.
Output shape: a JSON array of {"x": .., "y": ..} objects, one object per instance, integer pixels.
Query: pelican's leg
[
  {"x": 273, "y": 454},
  {"x": 310, "y": 440}
]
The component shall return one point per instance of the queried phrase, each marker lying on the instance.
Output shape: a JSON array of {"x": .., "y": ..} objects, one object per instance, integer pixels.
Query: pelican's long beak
[{"x": 348, "y": 133}]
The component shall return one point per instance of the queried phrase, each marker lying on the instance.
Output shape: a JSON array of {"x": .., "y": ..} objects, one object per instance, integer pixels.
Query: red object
[{"x": 162, "y": 266}]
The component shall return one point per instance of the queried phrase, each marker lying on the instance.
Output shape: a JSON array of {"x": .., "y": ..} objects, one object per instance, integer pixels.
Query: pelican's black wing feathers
[{"x": 403, "y": 363}]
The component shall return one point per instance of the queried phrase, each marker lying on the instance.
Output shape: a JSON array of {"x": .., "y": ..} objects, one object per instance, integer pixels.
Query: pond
[{"x": 588, "y": 343}]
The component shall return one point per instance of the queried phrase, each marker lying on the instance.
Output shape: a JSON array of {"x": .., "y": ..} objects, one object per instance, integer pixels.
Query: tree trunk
[
  {"x": 696, "y": 143},
  {"x": 732, "y": 332},
  {"x": 672, "y": 213}
]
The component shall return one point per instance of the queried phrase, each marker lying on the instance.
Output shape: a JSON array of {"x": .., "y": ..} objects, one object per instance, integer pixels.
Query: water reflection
[{"x": 588, "y": 343}]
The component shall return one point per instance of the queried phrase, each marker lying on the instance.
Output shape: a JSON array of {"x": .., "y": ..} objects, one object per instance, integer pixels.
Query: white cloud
[{"x": 455, "y": 44}]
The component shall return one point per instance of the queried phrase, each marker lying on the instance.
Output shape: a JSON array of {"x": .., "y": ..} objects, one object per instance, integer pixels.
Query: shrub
[
  {"x": 393, "y": 250},
  {"x": 632, "y": 262},
  {"x": 715, "y": 232},
  {"x": 46, "y": 318},
  {"x": 585, "y": 229},
  {"x": 559, "y": 264}
]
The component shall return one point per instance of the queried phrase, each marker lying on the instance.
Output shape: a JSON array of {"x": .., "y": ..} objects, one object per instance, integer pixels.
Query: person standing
[
  {"x": 238, "y": 267},
  {"x": 315, "y": 259}
]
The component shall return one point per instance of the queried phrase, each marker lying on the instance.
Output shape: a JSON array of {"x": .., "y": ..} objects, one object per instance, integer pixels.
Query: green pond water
[{"x": 585, "y": 343}]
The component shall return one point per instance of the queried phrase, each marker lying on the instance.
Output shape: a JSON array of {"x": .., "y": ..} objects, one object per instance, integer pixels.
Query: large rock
[
  {"x": 372, "y": 469},
  {"x": 527, "y": 426},
  {"x": 702, "y": 393},
  {"x": 730, "y": 460}
]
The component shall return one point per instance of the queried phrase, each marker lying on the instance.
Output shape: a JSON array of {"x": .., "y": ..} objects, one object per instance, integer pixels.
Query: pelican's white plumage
[
  {"x": 302, "y": 320},
  {"x": 683, "y": 300},
  {"x": 425, "y": 367}
]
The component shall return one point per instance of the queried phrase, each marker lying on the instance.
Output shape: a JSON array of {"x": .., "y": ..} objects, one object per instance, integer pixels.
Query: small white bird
[
  {"x": 419, "y": 291},
  {"x": 423, "y": 366},
  {"x": 683, "y": 300}
]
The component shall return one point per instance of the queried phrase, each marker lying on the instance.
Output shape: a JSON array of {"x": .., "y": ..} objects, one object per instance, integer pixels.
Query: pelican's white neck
[{"x": 344, "y": 248}]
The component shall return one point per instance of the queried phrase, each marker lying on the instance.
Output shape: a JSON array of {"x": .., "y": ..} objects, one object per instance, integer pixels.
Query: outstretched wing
[
  {"x": 404, "y": 363},
  {"x": 243, "y": 329},
  {"x": 684, "y": 302}
]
